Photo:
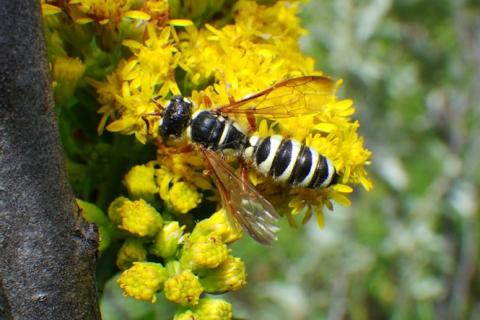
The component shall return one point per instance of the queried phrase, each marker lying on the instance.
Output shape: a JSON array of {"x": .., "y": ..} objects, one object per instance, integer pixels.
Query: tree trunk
[{"x": 47, "y": 251}]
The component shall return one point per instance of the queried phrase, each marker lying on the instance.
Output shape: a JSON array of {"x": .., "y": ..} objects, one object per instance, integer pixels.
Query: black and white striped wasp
[{"x": 285, "y": 160}]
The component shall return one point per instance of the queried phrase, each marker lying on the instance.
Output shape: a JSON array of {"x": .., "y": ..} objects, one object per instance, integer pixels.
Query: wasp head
[{"x": 176, "y": 117}]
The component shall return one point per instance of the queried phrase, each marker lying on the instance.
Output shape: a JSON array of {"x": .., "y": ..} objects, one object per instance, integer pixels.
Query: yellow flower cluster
[{"x": 253, "y": 53}]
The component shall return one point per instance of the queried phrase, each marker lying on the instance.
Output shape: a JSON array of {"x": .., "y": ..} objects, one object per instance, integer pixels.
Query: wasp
[{"x": 285, "y": 160}]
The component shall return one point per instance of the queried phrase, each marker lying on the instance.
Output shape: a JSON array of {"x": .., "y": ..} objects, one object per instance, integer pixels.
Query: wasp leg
[
  {"x": 251, "y": 120},
  {"x": 243, "y": 173},
  {"x": 207, "y": 102},
  {"x": 186, "y": 149},
  {"x": 162, "y": 149}
]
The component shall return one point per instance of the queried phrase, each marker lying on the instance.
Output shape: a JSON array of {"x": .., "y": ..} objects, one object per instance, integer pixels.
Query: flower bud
[
  {"x": 183, "y": 288},
  {"x": 137, "y": 217},
  {"x": 94, "y": 214},
  {"x": 143, "y": 280},
  {"x": 230, "y": 275},
  {"x": 140, "y": 183},
  {"x": 213, "y": 309},
  {"x": 183, "y": 197},
  {"x": 178, "y": 195},
  {"x": 186, "y": 315},
  {"x": 131, "y": 251},
  {"x": 167, "y": 240},
  {"x": 217, "y": 225},
  {"x": 205, "y": 253},
  {"x": 114, "y": 209}
]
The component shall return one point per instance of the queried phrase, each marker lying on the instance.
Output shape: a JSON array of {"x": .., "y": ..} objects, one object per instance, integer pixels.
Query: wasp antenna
[{"x": 158, "y": 104}]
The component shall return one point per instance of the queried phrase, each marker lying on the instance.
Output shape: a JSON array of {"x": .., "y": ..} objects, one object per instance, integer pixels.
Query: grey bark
[{"x": 47, "y": 251}]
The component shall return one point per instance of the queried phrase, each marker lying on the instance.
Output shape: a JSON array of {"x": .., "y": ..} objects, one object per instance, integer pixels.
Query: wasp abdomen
[
  {"x": 216, "y": 132},
  {"x": 289, "y": 161}
]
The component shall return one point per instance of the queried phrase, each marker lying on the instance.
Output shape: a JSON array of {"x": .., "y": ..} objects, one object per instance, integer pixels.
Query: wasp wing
[
  {"x": 288, "y": 98},
  {"x": 243, "y": 202}
]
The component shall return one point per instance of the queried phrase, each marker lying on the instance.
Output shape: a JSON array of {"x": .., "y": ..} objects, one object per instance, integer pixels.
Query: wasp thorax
[{"x": 176, "y": 117}]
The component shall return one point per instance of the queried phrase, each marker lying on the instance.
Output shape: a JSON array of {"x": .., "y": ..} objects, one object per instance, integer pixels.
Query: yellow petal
[
  {"x": 48, "y": 9},
  {"x": 131, "y": 44},
  {"x": 320, "y": 219},
  {"x": 137, "y": 15},
  {"x": 325, "y": 127},
  {"x": 346, "y": 113},
  {"x": 342, "y": 188},
  {"x": 117, "y": 125},
  {"x": 341, "y": 199},
  {"x": 344, "y": 104},
  {"x": 180, "y": 22},
  {"x": 130, "y": 65},
  {"x": 213, "y": 29},
  {"x": 84, "y": 20},
  {"x": 367, "y": 184}
]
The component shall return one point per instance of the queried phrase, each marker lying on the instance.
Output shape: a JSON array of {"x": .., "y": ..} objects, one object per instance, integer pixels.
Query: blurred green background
[{"x": 407, "y": 249}]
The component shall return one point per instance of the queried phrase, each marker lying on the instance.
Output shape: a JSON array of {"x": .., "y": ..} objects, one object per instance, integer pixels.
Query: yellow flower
[
  {"x": 230, "y": 275},
  {"x": 140, "y": 182},
  {"x": 204, "y": 253},
  {"x": 183, "y": 197},
  {"x": 184, "y": 166},
  {"x": 158, "y": 10},
  {"x": 143, "y": 280},
  {"x": 137, "y": 217},
  {"x": 66, "y": 73},
  {"x": 213, "y": 309},
  {"x": 217, "y": 225},
  {"x": 131, "y": 251},
  {"x": 183, "y": 288},
  {"x": 167, "y": 240},
  {"x": 102, "y": 11},
  {"x": 178, "y": 195}
]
